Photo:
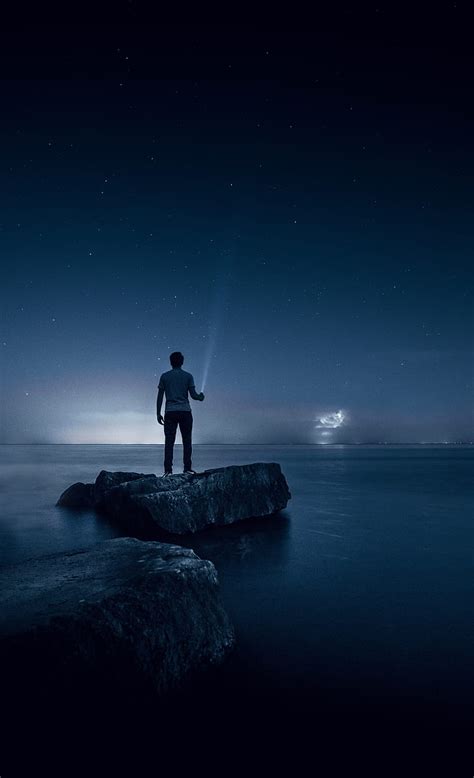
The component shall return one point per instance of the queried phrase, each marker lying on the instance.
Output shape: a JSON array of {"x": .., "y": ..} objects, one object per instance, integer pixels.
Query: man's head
[{"x": 176, "y": 359}]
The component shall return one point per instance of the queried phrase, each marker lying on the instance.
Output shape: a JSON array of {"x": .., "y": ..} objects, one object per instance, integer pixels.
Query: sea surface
[{"x": 353, "y": 608}]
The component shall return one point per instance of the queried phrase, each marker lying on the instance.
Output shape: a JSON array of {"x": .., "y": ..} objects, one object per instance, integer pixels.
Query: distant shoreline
[{"x": 262, "y": 445}]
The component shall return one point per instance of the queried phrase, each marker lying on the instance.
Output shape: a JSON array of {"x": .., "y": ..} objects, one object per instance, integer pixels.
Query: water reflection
[{"x": 254, "y": 543}]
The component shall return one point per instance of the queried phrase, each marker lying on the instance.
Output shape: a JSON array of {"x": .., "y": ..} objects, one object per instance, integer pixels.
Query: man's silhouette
[{"x": 176, "y": 383}]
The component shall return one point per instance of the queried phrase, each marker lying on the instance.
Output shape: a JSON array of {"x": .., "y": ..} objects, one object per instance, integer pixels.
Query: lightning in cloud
[
  {"x": 328, "y": 422},
  {"x": 331, "y": 420}
]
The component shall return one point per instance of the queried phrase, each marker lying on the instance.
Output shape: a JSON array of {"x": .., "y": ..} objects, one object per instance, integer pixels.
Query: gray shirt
[{"x": 177, "y": 383}]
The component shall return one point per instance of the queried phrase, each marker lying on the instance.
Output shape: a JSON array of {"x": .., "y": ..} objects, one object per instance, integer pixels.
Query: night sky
[{"x": 286, "y": 201}]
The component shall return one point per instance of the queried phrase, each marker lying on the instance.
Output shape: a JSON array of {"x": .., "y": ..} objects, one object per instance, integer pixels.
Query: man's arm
[
  {"x": 192, "y": 390},
  {"x": 159, "y": 400}
]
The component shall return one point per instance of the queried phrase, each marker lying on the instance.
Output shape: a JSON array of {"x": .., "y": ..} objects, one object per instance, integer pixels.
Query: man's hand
[
  {"x": 201, "y": 396},
  {"x": 160, "y": 419}
]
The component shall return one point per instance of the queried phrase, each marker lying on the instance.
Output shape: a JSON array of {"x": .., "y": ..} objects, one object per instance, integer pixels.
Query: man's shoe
[
  {"x": 164, "y": 475},
  {"x": 186, "y": 472}
]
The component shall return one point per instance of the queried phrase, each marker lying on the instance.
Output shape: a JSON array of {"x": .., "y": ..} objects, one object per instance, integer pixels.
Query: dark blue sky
[{"x": 287, "y": 202}]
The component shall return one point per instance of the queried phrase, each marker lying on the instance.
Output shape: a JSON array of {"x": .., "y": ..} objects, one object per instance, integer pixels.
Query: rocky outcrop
[
  {"x": 182, "y": 503},
  {"x": 81, "y": 495},
  {"x": 126, "y": 613},
  {"x": 106, "y": 480}
]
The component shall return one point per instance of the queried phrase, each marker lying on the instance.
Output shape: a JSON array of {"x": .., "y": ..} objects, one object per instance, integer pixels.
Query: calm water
[{"x": 355, "y": 603}]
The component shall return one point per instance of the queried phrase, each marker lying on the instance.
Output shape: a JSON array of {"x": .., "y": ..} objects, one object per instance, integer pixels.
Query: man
[{"x": 176, "y": 383}]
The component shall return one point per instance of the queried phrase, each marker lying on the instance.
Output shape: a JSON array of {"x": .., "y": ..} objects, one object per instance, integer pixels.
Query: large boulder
[
  {"x": 126, "y": 614},
  {"x": 187, "y": 503}
]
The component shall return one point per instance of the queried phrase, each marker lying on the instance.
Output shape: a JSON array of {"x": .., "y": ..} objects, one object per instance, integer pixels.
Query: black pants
[{"x": 185, "y": 421}]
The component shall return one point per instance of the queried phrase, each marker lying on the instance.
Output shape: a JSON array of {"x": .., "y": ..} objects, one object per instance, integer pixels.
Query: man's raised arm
[{"x": 192, "y": 391}]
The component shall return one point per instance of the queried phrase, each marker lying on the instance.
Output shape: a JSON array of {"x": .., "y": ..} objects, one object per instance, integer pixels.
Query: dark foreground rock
[
  {"x": 186, "y": 503},
  {"x": 126, "y": 614}
]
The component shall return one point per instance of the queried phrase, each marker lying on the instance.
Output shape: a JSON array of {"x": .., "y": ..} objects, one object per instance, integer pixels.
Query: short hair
[{"x": 176, "y": 359}]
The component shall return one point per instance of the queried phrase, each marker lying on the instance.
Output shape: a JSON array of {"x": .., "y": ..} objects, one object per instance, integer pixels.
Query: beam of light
[
  {"x": 218, "y": 305},
  {"x": 211, "y": 344}
]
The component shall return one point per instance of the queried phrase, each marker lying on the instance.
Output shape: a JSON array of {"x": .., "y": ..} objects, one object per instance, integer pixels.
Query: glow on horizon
[{"x": 115, "y": 427}]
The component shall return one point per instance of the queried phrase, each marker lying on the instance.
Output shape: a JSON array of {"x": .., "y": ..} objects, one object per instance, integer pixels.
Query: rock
[
  {"x": 124, "y": 614},
  {"x": 182, "y": 503},
  {"x": 218, "y": 496},
  {"x": 79, "y": 495},
  {"x": 106, "y": 480}
]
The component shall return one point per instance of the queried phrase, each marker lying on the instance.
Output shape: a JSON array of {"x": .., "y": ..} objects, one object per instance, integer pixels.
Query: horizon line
[{"x": 322, "y": 445}]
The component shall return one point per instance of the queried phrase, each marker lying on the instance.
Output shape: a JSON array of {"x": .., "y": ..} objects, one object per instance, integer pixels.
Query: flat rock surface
[
  {"x": 126, "y": 612},
  {"x": 186, "y": 503}
]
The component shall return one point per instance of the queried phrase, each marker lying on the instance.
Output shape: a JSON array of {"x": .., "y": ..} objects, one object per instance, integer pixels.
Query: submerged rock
[
  {"x": 126, "y": 613},
  {"x": 186, "y": 503}
]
